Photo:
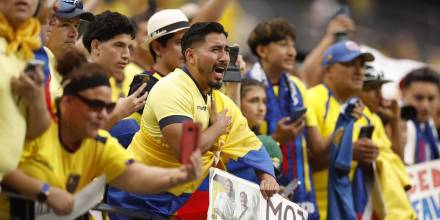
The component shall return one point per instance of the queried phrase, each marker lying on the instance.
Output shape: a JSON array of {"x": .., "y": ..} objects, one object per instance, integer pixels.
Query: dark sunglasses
[
  {"x": 97, "y": 105},
  {"x": 68, "y": 6}
]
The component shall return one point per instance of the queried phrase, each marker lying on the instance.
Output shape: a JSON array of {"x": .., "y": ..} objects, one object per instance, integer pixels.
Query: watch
[{"x": 42, "y": 195}]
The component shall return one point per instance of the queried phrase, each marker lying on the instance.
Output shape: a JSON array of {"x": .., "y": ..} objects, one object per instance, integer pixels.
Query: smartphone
[
  {"x": 341, "y": 35},
  {"x": 297, "y": 114},
  {"x": 408, "y": 112},
  {"x": 31, "y": 66},
  {"x": 290, "y": 188},
  {"x": 189, "y": 140},
  {"x": 366, "y": 131},
  {"x": 139, "y": 80},
  {"x": 232, "y": 73},
  {"x": 343, "y": 10}
]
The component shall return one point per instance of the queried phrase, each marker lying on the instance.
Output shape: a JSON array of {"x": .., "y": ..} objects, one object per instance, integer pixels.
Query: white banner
[
  {"x": 425, "y": 192},
  {"x": 83, "y": 201},
  {"x": 233, "y": 198}
]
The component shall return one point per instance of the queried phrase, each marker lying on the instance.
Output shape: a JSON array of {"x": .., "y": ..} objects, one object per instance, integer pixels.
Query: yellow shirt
[
  {"x": 184, "y": 101},
  {"x": 12, "y": 112},
  {"x": 317, "y": 100},
  {"x": 44, "y": 158},
  {"x": 392, "y": 174}
]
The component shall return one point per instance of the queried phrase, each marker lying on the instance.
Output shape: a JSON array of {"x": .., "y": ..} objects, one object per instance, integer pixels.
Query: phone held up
[
  {"x": 189, "y": 140},
  {"x": 408, "y": 112},
  {"x": 297, "y": 113},
  {"x": 366, "y": 131},
  {"x": 138, "y": 81},
  {"x": 31, "y": 66},
  {"x": 232, "y": 73},
  {"x": 341, "y": 35}
]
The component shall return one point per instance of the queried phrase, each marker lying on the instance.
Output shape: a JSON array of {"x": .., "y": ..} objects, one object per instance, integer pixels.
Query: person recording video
[{"x": 420, "y": 89}]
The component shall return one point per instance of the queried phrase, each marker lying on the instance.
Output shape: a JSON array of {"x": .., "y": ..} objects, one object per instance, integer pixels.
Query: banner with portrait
[{"x": 233, "y": 198}]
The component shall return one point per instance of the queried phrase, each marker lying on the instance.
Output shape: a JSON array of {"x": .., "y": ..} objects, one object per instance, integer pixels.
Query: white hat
[{"x": 165, "y": 22}]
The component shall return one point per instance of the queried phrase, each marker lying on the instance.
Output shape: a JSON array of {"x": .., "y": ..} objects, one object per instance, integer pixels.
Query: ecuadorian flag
[
  {"x": 239, "y": 144},
  {"x": 340, "y": 199}
]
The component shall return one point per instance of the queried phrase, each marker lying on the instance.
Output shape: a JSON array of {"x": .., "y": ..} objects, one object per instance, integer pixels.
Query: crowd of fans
[{"x": 71, "y": 111}]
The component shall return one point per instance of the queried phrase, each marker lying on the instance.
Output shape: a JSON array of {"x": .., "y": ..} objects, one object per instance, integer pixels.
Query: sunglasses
[
  {"x": 97, "y": 105},
  {"x": 68, "y": 6}
]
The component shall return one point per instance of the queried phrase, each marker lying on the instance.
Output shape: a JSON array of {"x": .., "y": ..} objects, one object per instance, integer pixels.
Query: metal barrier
[{"x": 23, "y": 208}]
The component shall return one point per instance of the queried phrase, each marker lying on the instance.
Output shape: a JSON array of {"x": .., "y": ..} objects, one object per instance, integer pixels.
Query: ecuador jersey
[
  {"x": 326, "y": 109},
  {"x": 177, "y": 98},
  {"x": 12, "y": 112},
  {"x": 46, "y": 159}
]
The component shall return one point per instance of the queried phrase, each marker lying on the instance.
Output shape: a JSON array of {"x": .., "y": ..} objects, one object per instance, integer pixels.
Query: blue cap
[
  {"x": 69, "y": 9},
  {"x": 344, "y": 51}
]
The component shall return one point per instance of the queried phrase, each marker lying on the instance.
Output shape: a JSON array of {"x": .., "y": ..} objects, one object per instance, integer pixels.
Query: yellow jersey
[
  {"x": 326, "y": 110},
  {"x": 12, "y": 112},
  {"x": 185, "y": 102},
  {"x": 46, "y": 159}
]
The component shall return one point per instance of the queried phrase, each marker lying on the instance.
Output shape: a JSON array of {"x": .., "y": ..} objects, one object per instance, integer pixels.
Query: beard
[
  {"x": 215, "y": 85},
  {"x": 212, "y": 84}
]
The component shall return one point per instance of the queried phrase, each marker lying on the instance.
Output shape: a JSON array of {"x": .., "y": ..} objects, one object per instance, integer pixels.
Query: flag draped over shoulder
[
  {"x": 239, "y": 144},
  {"x": 340, "y": 199},
  {"x": 386, "y": 178}
]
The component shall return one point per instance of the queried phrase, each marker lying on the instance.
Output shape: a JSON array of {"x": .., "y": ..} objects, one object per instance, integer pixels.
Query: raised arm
[
  {"x": 212, "y": 10},
  {"x": 141, "y": 179},
  {"x": 311, "y": 71},
  {"x": 319, "y": 148},
  {"x": 31, "y": 91}
]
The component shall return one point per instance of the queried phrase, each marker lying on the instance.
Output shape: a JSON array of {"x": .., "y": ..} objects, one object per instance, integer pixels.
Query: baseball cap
[
  {"x": 73, "y": 8},
  {"x": 344, "y": 51},
  {"x": 374, "y": 76},
  {"x": 165, "y": 22}
]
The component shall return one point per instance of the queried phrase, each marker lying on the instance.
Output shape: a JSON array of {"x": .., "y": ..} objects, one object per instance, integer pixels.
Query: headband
[{"x": 84, "y": 83}]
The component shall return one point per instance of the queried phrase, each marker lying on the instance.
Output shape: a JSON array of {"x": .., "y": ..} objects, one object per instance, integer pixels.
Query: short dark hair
[
  {"x": 246, "y": 83},
  {"x": 197, "y": 32},
  {"x": 270, "y": 31},
  {"x": 106, "y": 26},
  {"x": 163, "y": 40},
  {"x": 424, "y": 74}
]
